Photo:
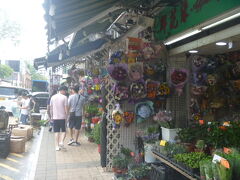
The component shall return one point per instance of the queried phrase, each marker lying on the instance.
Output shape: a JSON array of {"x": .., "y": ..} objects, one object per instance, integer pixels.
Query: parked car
[
  {"x": 9, "y": 97},
  {"x": 41, "y": 99}
]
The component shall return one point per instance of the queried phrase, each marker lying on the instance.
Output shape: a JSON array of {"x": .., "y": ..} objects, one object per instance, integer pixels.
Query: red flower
[{"x": 223, "y": 128}]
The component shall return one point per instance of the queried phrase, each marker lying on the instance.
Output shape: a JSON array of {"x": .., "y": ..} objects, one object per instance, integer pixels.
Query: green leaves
[{"x": 5, "y": 71}]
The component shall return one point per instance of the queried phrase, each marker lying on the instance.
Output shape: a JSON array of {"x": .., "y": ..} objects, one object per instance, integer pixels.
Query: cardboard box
[
  {"x": 17, "y": 145},
  {"x": 25, "y": 131},
  {"x": 30, "y": 135}
]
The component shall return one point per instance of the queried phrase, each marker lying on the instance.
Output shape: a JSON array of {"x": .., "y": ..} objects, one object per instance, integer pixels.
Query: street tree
[
  {"x": 5, "y": 71},
  {"x": 34, "y": 74}
]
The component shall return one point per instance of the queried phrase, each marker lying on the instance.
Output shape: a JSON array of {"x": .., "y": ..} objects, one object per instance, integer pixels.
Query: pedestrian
[
  {"x": 75, "y": 105},
  {"x": 24, "y": 107},
  {"x": 59, "y": 111},
  {"x": 50, "y": 120}
]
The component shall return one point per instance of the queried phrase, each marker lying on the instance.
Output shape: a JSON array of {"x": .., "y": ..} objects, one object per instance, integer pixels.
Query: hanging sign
[{"x": 187, "y": 14}]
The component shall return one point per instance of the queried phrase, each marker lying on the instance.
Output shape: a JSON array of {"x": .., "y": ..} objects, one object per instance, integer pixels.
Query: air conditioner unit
[{"x": 145, "y": 21}]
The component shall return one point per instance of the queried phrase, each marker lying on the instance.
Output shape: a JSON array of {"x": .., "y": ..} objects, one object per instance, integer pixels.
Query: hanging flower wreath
[
  {"x": 135, "y": 71},
  {"x": 121, "y": 92},
  {"x": 116, "y": 57},
  {"x": 199, "y": 78},
  {"x": 117, "y": 116},
  {"x": 178, "y": 79},
  {"x": 128, "y": 117},
  {"x": 198, "y": 62},
  {"x": 198, "y": 90},
  {"x": 163, "y": 89},
  {"x": 119, "y": 72},
  {"x": 137, "y": 90},
  {"x": 154, "y": 71},
  {"x": 151, "y": 87},
  {"x": 143, "y": 111}
]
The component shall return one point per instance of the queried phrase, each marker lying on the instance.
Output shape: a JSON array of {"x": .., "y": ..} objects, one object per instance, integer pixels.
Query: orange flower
[{"x": 223, "y": 128}]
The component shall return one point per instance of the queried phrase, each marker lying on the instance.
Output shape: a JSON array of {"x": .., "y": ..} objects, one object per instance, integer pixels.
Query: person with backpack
[{"x": 75, "y": 104}]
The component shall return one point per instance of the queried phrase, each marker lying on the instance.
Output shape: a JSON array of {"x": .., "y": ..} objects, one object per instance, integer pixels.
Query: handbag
[{"x": 72, "y": 114}]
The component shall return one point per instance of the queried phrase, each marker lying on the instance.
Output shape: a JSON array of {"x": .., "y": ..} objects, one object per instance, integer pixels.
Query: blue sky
[{"x": 33, "y": 40}]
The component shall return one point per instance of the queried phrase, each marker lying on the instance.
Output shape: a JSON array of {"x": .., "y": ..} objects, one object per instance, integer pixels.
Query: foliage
[
  {"x": 190, "y": 159},
  {"x": 34, "y": 74},
  {"x": 140, "y": 171},
  {"x": 200, "y": 145},
  {"x": 173, "y": 148},
  {"x": 164, "y": 119},
  {"x": 5, "y": 71},
  {"x": 97, "y": 133},
  {"x": 119, "y": 162},
  {"x": 150, "y": 134},
  {"x": 9, "y": 29}
]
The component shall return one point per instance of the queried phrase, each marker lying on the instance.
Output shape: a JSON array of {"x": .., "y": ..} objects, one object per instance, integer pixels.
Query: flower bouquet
[
  {"x": 178, "y": 79},
  {"x": 164, "y": 119}
]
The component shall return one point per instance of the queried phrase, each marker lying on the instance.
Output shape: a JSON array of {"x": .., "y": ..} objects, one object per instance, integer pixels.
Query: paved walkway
[{"x": 76, "y": 163}]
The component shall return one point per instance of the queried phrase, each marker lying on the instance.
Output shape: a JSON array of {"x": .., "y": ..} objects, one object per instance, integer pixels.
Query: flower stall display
[
  {"x": 129, "y": 117},
  {"x": 118, "y": 72},
  {"x": 117, "y": 116},
  {"x": 138, "y": 90},
  {"x": 135, "y": 71},
  {"x": 121, "y": 92}
]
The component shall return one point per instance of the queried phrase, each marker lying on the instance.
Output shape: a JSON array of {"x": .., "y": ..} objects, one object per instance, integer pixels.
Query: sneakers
[
  {"x": 62, "y": 147},
  {"x": 57, "y": 148},
  {"x": 77, "y": 143},
  {"x": 71, "y": 142}
]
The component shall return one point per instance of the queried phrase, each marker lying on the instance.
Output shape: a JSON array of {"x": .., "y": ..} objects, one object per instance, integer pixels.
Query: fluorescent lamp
[
  {"x": 221, "y": 21},
  {"x": 182, "y": 37},
  {"x": 193, "y": 51},
  {"x": 221, "y": 43}
]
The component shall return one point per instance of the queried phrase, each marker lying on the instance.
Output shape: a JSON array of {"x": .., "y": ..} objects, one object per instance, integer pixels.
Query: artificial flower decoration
[
  {"x": 116, "y": 57},
  {"x": 143, "y": 111},
  {"x": 178, "y": 79},
  {"x": 199, "y": 78},
  {"x": 135, "y": 71},
  {"x": 154, "y": 71},
  {"x": 148, "y": 51},
  {"x": 128, "y": 117},
  {"x": 211, "y": 65},
  {"x": 137, "y": 90},
  {"x": 164, "y": 119},
  {"x": 198, "y": 62},
  {"x": 151, "y": 87},
  {"x": 212, "y": 79},
  {"x": 163, "y": 89},
  {"x": 198, "y": 90},
  {"x": 117, "y": 116},
  {"x": 121, "y": 92},
  {"x": 119, "y": 72},
  {"x": 236, "y": 70}
]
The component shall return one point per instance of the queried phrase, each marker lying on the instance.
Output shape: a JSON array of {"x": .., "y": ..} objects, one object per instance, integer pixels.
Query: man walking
[
  {"x": 75, "y": 104},
  {"x": 59, "y": 111}
]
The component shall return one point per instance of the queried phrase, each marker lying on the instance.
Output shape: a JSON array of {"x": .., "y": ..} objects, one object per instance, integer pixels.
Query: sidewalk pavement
[{"x": 76, "y": 163}]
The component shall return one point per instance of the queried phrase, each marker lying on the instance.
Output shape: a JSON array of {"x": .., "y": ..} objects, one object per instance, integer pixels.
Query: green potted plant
[
  {"x": 119, "y": 164},
  {"x": 97, "y": 135},
  {"x": 140, "y": 172},
  {"x": 200, "y": 146}
]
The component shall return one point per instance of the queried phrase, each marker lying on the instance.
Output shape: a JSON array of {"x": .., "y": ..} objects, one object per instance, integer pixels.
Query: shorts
[
  {"x": 24, "y": 119},
  {"x": 75, "y": 122},
  {"x": 59, "y": 125}
]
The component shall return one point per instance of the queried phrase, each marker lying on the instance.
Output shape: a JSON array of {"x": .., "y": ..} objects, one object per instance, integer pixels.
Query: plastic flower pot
[{"x": 169, "y": 134}]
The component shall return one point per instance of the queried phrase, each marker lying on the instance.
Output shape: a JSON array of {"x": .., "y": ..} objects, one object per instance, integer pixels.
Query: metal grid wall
[{"x": 179, "y": 104}]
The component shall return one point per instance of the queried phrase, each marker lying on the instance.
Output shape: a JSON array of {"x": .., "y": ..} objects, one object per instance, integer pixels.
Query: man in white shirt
[
  {"x": 59, "y": 111},
  {"x": 24, "y": 109}
]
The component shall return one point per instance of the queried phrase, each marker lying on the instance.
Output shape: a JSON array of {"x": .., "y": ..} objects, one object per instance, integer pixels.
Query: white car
[{"x": 9, "y": 97}]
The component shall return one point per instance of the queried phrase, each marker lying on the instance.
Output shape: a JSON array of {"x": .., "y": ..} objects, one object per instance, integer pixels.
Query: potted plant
[
  {"x": 97, "y": 135},
  {"x": 119, "y": 164},
  {"x": 200, "y": 146},
  {"x": 165, "y": 120},
  {"x": 140, "y": 172}
]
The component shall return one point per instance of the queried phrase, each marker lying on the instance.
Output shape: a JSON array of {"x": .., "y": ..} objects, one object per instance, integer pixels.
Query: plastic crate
[{"x": 4, "y": 144}]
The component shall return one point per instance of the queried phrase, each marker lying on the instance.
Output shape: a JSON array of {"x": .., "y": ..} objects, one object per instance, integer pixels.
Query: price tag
[
  {"x": 163, "y": 143},
  {"x": 216, "y": 158},
  {"x": 201, "y": 122},
  {"x": 227, "y": 150},
  {"x": 225, "y": 163}
]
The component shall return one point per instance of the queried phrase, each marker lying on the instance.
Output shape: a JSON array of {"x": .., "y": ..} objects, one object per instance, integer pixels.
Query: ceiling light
[
  {"x": 221, "y": 43},
  {"x": 221, "y": 21},
  {"x": 182, "y": 37},
  {"x": 193, "y": 51}
]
